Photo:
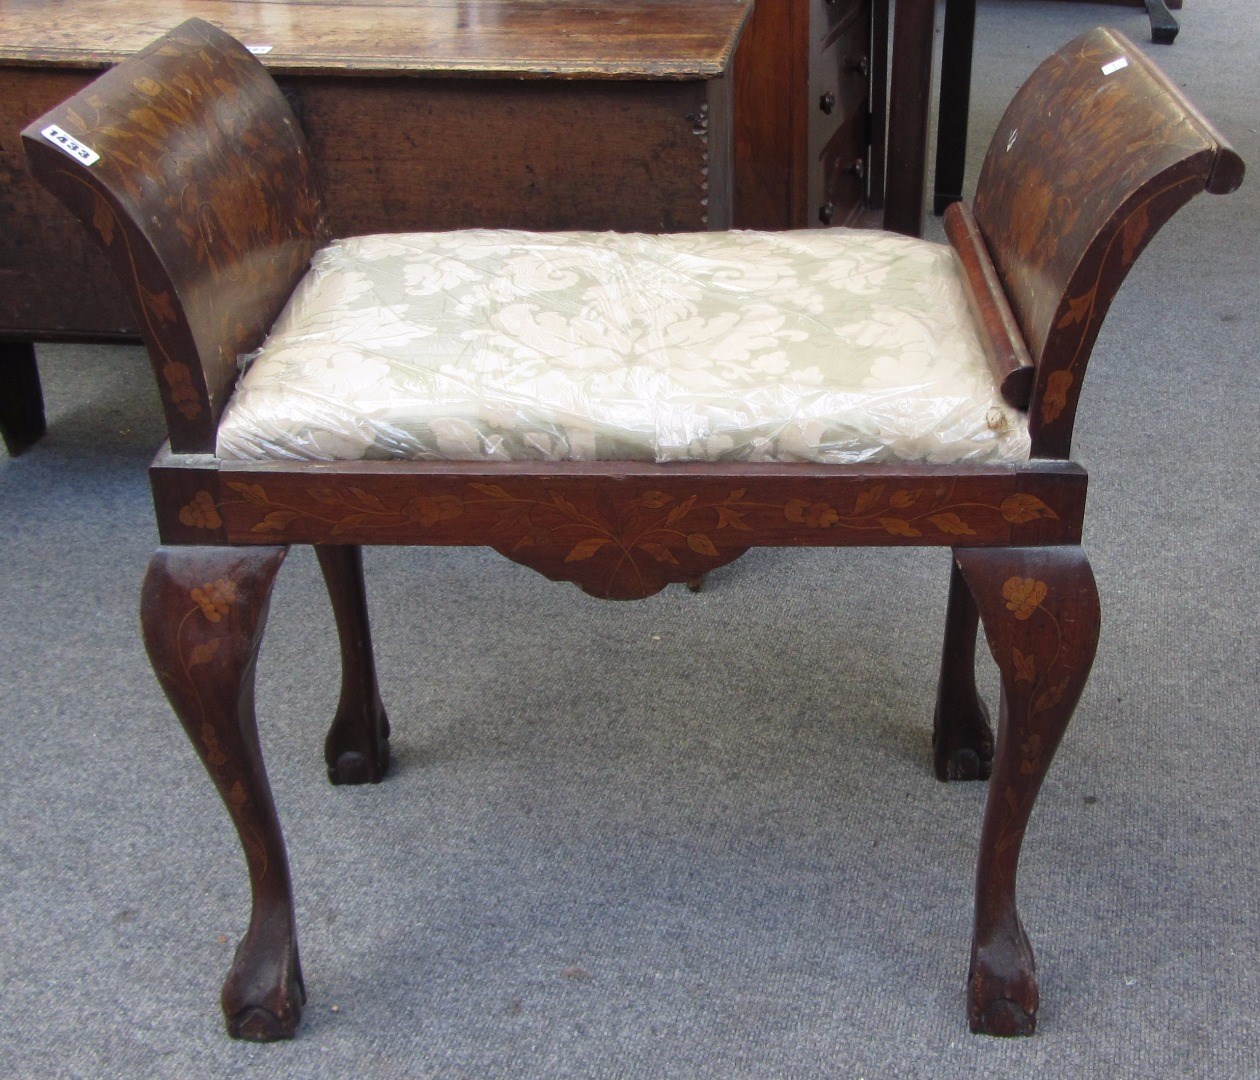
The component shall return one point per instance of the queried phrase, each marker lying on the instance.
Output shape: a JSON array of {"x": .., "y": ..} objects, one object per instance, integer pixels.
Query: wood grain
[
  {"x": 1094, "y": 154},
  {"x": 1004, "y": 346},
  {"x": 634, "y": 39}
]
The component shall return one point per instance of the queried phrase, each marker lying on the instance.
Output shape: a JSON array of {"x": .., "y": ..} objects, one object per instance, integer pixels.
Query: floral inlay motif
[
  {"x": 682, "y": 522},
  {"x": 199, "y": 640},
  {"x": 232, "y": 201},
  {"x": 215, "y": 598},
  {"x": 1023, "y": 595},
  {"x": 201, "y": 513}
]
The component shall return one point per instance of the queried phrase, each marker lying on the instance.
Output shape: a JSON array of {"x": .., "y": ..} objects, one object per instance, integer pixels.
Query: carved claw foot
[
  {"x": 357, "y": 748},
  {"x": 1002, "y": 986},
  {"x": 962, "y": 742},
  {"x": 263, "y": 994},
  {"x": 696, "y": 584}
]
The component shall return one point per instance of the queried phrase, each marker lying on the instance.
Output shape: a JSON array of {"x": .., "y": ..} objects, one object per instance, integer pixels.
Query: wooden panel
[
  {"x": 523, "y": 38},
  {"x": 446, "y": 154},
  {"x": 696, "y": 506},
  {"x": 771, "y": 82}
]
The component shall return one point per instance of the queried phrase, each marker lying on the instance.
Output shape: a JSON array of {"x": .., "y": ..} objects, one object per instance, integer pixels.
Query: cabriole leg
[
  {"x": 1040, "y": 613},
  {"x": 962, "y": 739},
  {"x": 357, "y": 746},
  {"x": 203, "y": 611}
]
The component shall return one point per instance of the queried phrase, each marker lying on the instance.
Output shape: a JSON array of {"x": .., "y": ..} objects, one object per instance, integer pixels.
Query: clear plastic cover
[{"x": 834, "y": 345}]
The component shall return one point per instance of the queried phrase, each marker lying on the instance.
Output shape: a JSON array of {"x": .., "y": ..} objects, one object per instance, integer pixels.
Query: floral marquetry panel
[
  {"x": 208, "y": 215},
  {"x": 620, "y": 529},
  {"x": 1092, "y": 157}
]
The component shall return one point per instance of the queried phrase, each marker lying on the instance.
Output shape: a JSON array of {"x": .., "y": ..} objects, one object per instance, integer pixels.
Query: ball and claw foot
[
  {"x": 358, "y": 753},
  {"x": 1002, "y": 993},
  {"x": 353, "y": 767},
  {"x": 963, "y": 748},
  {"x": 264, "y": 994}
]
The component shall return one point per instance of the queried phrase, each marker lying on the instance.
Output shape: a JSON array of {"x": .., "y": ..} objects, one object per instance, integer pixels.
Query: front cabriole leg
[
  {"x": 203, "y": 611},
  {"x": 1040, "y": 612},
  {"x": 357, "y": 747}
]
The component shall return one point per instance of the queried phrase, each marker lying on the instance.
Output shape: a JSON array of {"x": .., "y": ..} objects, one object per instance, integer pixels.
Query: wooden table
[{"x": 423, "y": 114}]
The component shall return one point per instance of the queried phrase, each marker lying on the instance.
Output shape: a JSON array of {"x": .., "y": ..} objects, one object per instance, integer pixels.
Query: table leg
[
  {"x": 1163, "y": 26},
  {"x": 21, "y": 400},
  {"x": 951, "y": 129}
]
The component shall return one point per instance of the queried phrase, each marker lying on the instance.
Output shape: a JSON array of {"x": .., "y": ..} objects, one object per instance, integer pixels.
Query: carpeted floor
[{"x": 696, "y": 836}]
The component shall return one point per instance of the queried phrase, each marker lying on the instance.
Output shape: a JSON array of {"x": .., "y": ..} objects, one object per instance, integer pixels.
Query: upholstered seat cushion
[{"x": 833, "y": 345}]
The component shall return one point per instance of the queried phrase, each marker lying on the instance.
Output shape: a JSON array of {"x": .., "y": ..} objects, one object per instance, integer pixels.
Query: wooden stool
[{"x": 620, "y": 412}]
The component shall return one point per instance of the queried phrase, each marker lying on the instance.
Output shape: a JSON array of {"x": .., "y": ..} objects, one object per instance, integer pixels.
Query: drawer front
[
  {"x": 839, "y": 83},
  {"x": 837, "y": 182}
]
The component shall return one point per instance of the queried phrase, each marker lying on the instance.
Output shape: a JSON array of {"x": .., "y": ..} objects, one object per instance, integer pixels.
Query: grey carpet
[{"x": 696, "y": 836}]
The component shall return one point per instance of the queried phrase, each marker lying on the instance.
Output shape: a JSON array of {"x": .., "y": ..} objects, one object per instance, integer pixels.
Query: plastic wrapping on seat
[{"x": 838, "y": 346}]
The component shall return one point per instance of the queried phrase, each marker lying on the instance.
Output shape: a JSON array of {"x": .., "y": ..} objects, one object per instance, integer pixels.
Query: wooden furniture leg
[
  {"x": 1163, "y": 26},
  {"x": 1040, "y": 613},
  {"x": 21, "y": 399},
  {"x": 962, "y": 737},
  {"x": 203, "y": 611},
  {"x": 357, "y": 746},
  {"x": 957, "y": 39}
]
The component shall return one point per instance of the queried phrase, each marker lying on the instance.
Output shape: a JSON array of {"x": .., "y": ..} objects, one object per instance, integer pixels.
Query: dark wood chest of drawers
[{"x": 803, "y": 108}]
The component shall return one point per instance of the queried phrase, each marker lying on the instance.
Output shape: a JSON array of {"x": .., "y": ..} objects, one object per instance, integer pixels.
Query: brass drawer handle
[{"x": 860, "y": 64}]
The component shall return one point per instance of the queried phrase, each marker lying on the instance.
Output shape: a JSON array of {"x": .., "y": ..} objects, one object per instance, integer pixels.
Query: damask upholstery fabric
[{"x": 836, "y": 345}]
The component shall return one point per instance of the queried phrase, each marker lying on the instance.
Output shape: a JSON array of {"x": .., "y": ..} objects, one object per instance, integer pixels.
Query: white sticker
[
  {"x": 84, "y": 155},
  {"x": 1115, "y": 65},
  {"x": 260, "y": 50}
]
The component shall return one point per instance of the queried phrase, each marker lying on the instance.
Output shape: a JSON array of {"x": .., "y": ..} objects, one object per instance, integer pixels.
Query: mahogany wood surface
[
  {"x": 205, "y": 201},
  {"x": 1063, "y": 228},
  {"x": 203, "y": 613},
  {"x": 1040, "y": 614},
  {"x": 999, "y": 331}
]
